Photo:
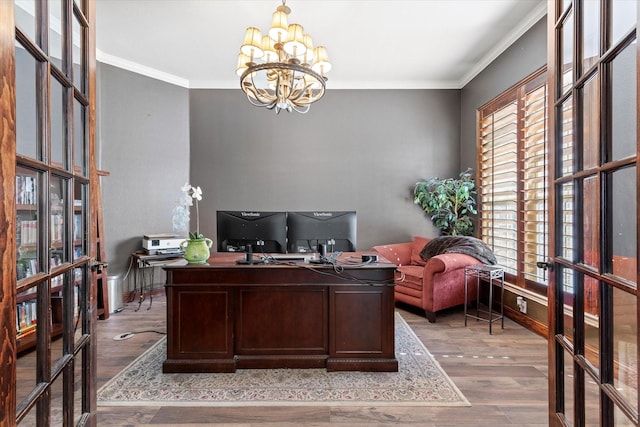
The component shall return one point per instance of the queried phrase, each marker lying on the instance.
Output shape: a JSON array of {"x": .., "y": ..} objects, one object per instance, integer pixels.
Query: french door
[
  {"x": 47, "y": 212},
  {"x": 593, "y": 293}
]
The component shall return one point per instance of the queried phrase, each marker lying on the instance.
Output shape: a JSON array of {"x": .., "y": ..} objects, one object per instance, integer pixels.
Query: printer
[{"x": 163, "y": 243}]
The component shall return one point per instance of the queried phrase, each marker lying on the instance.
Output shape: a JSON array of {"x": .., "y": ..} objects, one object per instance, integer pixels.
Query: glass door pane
[
  {"x": 624, "y": 15},
  {"x": 591, "y": 34},
  {"x": 58, "y": 125},
  {"x": 80, "y": 299},
  {"x": 55, "y": 33},
  {"x": 77, "y": 59},
  {"x": 623, "y": 103},
  {"x": 58, "y": 296},
  {"x": 58, "y": 198},
  {"x": 80, "y": 220},
  {"x": 592, "y": 321},
  {"x": 566, "y": 55},
  {"x": 25, "y": 15},
  {"x": 79, "y": 138},
  {"x": 623, "y": 222},
  {"x": 625, "y": 346},
  {"x": 28, "y": 213},
  {"x": 26, "y": 322},
  {"x": 27, "y": 99},
  {"x": 590, "y": 124},
  {"x": 567, "y": 143},
  {"x": 568, "y": 391}
]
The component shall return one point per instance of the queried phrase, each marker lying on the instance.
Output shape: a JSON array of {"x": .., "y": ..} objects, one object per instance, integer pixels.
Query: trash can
[{"x": 114, "y": 289}]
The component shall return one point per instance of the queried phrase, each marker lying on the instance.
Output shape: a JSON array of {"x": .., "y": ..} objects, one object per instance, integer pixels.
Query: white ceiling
[{"x": 387, "y": 44}]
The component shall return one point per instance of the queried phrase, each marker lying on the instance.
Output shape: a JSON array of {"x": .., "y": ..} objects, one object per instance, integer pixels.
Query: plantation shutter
[
  {"x": 512, "y": 179},
  {"x": 534, "y": 184},
  {"x": 498, "y": 181}
]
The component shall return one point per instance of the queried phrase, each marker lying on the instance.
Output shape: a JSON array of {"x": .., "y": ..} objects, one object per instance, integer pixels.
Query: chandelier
[{"x": 282, "y": 70}]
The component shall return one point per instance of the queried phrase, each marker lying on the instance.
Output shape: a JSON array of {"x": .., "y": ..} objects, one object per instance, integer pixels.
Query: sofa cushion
[
  {"x": 410, "y": 276},
  {"x": 418, "y": 244}
]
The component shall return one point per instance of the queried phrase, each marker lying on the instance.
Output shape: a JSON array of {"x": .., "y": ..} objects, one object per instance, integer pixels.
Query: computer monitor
[
  {"x": 305, "y": 230},
  {"x": 266, "y": 231}
]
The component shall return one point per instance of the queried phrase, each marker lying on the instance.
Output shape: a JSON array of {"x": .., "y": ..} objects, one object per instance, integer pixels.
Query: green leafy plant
[{"x": 449, "y": 202}]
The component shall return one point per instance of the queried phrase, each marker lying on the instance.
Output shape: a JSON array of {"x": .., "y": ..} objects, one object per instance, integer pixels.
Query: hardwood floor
[{"x": 503, "y": 375}]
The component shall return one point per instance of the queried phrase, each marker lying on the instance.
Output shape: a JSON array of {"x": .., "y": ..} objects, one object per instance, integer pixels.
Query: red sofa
[{"x": 431, "y": 285}]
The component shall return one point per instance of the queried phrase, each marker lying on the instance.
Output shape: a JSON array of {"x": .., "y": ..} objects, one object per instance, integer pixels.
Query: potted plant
[
  {"x": 196, "y": 247},
  {"x": 449, "y": 202}
]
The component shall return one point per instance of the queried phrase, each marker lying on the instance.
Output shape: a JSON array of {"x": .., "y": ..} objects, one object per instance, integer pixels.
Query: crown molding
[
  {"x": 106, "y": 58},
  {"x": 535, "y": 15}
]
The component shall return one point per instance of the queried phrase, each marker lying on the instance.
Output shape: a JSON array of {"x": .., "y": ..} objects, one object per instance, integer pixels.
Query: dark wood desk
[{"x": 224, "y": 316}]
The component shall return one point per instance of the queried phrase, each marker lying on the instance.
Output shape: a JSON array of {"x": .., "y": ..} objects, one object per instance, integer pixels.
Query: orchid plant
[{"x": 189, "y": 194}]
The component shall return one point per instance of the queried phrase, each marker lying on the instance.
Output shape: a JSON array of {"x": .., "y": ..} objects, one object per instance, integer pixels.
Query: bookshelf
[{"x": 49, "y": 248}]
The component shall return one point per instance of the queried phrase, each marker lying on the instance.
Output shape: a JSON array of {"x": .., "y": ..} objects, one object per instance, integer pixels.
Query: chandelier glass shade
[{"x": 282, "y": 70}]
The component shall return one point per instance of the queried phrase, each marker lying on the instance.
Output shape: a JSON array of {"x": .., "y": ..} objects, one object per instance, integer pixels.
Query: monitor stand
[{"x": 249, "y": 258}]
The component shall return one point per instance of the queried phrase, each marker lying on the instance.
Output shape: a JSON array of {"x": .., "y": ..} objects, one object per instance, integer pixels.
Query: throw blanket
[{"x": 461, "y": 245}]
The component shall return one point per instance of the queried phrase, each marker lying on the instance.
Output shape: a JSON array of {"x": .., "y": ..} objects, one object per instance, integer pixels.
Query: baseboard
[{"x": 526, "y": 321}]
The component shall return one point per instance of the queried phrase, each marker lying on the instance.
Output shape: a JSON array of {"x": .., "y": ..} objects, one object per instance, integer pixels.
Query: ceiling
[{"x": 378, "y": 44}]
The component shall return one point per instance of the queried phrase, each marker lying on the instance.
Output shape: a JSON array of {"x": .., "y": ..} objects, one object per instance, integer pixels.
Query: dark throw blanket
[{"x": 461, "y": 245}]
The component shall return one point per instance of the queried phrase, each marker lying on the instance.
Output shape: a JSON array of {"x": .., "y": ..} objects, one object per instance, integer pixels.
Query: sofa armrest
[
  {"x": 397, "y": 253},
  {"x": 448, "y": 262}
]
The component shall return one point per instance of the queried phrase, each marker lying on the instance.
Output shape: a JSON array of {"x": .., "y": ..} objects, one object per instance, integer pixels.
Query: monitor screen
[
  {"x": 305, "y": 230},
  {"x": 266, "y": 231}
]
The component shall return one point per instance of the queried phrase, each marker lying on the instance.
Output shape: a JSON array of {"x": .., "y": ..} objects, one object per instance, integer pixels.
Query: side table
[
  {"x": 142, "y": 282},
  {"x": 493, "y": 275}
]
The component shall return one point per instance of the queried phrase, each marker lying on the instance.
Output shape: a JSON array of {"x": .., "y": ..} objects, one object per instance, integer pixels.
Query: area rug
[{"x": 420, "y": 381}]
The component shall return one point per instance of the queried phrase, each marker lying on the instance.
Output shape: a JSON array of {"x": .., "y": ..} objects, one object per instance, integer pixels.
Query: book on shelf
[
  {"x": 57, "y": 227},
  {"x": 26, "y": 316},
  {"x": 28, "y": 232},
  {"x": 26, "y": 190}
]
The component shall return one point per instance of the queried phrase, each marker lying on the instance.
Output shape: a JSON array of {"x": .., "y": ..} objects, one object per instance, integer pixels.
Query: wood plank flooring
[{"x": 503, "y": 375}]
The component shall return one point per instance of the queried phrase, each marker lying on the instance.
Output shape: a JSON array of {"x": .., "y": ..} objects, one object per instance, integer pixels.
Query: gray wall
[
  {"x": 522, "y": 58},
  {"x": 356, "y": 150},
  {"x": 143, "y": 142}
]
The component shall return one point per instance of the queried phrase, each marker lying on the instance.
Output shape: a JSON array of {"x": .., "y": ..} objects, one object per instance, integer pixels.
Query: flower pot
[{"x": 196, "y": 251}]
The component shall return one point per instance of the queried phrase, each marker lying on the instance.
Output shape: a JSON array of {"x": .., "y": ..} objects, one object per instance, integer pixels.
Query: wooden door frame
[
  {"x": 7, "y": 215},
  {"x": 8, "y": 281}
]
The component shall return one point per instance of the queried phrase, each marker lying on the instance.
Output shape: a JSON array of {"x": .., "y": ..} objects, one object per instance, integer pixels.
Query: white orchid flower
[
  {"x": 196, "y": 193},
  {"x": 189, "y": 193}
]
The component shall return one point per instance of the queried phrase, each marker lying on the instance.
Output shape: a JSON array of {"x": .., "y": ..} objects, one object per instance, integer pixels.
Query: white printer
[{"x": 163, "y": 243}]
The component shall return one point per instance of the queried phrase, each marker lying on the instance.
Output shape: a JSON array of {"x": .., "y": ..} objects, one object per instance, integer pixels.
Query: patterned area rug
[{"x": 420, "y": 381}]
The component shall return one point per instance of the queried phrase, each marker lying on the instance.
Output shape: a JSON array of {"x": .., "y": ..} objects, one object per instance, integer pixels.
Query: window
[{"x": 513, "y": 170}]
